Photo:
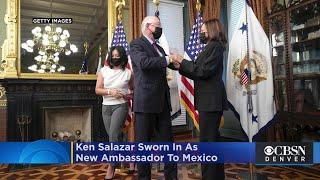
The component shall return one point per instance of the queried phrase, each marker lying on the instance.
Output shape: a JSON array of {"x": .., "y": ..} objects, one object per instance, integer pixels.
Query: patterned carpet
[{"x": 186, "y": 171}]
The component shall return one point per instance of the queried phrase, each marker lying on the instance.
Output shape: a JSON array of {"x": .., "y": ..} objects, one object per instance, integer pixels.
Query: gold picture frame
[{"x": 11, "y": 61}]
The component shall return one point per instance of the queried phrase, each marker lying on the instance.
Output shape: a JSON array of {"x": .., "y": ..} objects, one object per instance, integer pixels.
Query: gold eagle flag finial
[
  {"x": 198, "y": 6},
  {"x": 156, "y": 2},
  {"x": 119, "y": 4}
]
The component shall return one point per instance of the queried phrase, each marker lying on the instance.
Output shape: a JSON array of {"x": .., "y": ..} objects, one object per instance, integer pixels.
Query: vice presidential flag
[{"x": 250, "y": 81}]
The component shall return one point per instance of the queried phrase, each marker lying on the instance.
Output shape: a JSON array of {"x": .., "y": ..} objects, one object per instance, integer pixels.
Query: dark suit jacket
[
  {"x": 151, "y": 92},
  {"x": 206, "y": 71}
]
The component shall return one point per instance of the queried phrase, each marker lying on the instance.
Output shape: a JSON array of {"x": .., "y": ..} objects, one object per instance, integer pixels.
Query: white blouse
[{"x": 118, "y": 79}]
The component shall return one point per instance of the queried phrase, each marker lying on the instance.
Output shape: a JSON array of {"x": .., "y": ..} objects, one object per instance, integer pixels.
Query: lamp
[{"x": 49, "y": 42}]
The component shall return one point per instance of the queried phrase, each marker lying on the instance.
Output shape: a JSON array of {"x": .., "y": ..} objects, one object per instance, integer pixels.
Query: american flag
[
  {"x": 244, "y": 77},
  {"x": 119, "y": 39},
  {"x": 193, "y": 49},
  {"x": 84, "y": 66}
]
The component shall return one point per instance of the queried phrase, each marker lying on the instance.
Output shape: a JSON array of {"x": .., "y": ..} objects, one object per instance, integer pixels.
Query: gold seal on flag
[{"x": 258, "y": 69}]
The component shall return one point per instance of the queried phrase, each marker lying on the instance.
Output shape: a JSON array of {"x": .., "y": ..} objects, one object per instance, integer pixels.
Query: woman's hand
[
  {"x": 176, "y": 58},
  {"x": 115, "y": 93},
  {"x": 176, "y": 65}
]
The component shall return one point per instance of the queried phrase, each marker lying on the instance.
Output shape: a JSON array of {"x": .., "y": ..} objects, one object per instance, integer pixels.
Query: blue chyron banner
[
  {"x": 51, "y": 152},
  {"x": 316, "y": 152},
  {"x": 37, "y": 152},
  {"x": 165, "y": 152}
]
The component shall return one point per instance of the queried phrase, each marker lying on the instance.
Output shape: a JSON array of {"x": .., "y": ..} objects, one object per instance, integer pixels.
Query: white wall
[
  {"x": 171, "y": 16},
  {"x": 234, "y": 10}
]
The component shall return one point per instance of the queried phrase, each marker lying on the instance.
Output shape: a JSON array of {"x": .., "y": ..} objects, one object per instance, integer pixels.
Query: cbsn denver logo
[{"x": 284, "y": 153}]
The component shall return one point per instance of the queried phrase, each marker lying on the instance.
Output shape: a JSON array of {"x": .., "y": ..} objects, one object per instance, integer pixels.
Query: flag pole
[
  {"x": 99, "y": 61},
  {"x": 159, "y": 166},
  {"x": 156, "y": 2},
  {"x": 119, "y": 4},
  {"x": 84, "y": 66},
  {"x": 198, "y": 8},
  {"x": 250, "y": 107},
  {"x": 252, "y": 174}
]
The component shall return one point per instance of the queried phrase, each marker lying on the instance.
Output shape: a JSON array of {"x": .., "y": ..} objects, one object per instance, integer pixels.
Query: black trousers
[
  {"x": 209, "y": 132},
  {"x": 148, "y": 125}
]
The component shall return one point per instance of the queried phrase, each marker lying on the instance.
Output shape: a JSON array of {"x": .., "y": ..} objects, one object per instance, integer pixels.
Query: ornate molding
[
  {"x": 10, "y": 60},
  {"x": 295, "y": 2},
  {"x": 3, "y": 99},
  {"x": 2, "y": 92},
  {"x": 58, "y": 76},
  {"x": 277, "y": 7},
  {"x": 63, "y": 88},
  {"x": 3, "y": 103},
  {"x": 277, "y": 22},
  {"x": 51, "y": 88},
  {"x": 68, "y": 98},
  {"x": 10, "y": 45},
  {"x": 112, "y": 18},
  {"x": 20, "y": 88}
]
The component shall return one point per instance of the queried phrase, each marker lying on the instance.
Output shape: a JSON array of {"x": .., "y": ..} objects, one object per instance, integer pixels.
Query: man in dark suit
[{"x": 151, "y": 93}]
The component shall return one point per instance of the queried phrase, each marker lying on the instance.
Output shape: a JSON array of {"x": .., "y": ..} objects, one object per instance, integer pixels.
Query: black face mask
[
  {"x": 115, "y": 61},
  {"x": 157, "y": 33},
  {"x": 203, "y": 38}
]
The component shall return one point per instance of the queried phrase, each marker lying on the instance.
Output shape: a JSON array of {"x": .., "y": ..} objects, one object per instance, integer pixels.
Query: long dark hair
[
  {"x": 216, "y": 31},
  {"x": 122, "y": 54}
]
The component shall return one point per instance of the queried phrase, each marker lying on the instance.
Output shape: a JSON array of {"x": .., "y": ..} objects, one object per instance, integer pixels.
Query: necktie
[
  {"x": 160, "y": 54},
  {"x": 156, "y": 48}
]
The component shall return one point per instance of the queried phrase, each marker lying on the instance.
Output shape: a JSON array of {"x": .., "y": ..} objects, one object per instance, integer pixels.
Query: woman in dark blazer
[{"x": 209, "y": 92}]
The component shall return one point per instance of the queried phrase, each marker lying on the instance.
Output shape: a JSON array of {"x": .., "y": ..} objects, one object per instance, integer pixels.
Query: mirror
[{"x": 89, "y": 24}]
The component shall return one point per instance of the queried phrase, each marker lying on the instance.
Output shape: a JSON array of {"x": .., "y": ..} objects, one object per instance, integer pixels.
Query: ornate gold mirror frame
[{"x": 11, "y": 46}]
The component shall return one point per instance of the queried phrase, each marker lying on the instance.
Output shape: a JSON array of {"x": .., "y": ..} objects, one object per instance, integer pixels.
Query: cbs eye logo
[
  {"x": 268, "y": 150},
  {"x": 45, "y": 152}
]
